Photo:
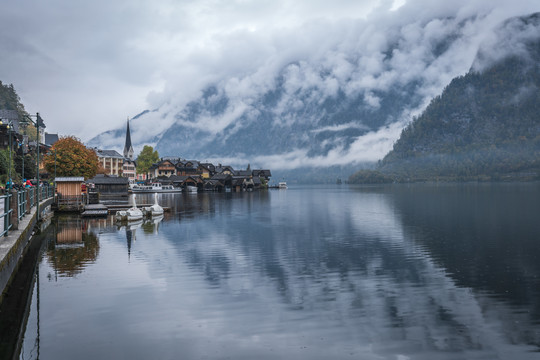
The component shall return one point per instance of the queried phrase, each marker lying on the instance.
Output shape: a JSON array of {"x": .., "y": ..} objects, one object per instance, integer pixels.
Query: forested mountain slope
[{"x": 485, "y": 125}]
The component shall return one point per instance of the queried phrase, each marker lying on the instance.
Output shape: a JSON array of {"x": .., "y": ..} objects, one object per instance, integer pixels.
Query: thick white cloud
[{"x": 87, "y": 66}]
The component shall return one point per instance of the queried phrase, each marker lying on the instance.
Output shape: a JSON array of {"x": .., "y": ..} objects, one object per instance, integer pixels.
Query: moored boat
[
  {"x": 131, "y": 214},
  {"x": 154, "y": 210},
  {"x": 155, "y": 187}
]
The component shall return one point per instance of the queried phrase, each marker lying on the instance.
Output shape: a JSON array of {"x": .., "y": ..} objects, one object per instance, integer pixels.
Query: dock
[{"x": 97, "y": 210}]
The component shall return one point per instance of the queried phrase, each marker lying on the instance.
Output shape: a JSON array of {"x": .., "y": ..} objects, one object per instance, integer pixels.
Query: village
[
  {"x": 120, "y": 175},
  {"x": 170, "y": 173}
]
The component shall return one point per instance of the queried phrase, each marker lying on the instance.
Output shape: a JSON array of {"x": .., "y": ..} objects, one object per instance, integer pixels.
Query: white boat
[
  {"x": 282, "y": 185},
  {"x": 154, "y": 187},
  {"x": 131, "y": 214},
  {"x": 154, "y": 210},
  {"x": 191, "y": 189}
]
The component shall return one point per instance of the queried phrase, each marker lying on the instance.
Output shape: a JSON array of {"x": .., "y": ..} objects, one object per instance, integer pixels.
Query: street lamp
[
  {"x": 22, "y": 146},
  {"x": 9, "y": 126},
  {"x": 36, "y": 123}
]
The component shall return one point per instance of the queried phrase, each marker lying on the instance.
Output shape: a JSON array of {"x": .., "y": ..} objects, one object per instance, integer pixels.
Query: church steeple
[{"x": 128, "y": 148}]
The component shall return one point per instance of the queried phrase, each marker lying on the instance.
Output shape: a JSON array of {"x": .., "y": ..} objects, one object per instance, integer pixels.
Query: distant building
[
  {"x": 111, "y": 161},
  {"x": 129, "y": 167},
  {"x": 50, "y": 139},
  {"x": 128, "y": 148},
  {"x": 110, "y": 186}
]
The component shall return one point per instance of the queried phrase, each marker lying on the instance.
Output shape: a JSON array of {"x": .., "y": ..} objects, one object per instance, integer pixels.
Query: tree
[
  {"x": 72, "y": 158},
  {"x": 146, "y": 158},
  {"x": 30, "y": 130}
]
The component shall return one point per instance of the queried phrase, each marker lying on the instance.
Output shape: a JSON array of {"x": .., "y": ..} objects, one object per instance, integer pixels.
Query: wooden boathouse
[
  {"x": 109, "y": 187},
  {"x": 70, "y": 196}
]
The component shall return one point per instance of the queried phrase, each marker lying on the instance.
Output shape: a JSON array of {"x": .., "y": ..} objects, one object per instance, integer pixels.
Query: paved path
[{"x": 12, "y": 247}]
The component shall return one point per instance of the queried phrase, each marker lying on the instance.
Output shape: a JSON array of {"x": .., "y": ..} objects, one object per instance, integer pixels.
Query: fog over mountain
[{"x": 323, "y": 93}]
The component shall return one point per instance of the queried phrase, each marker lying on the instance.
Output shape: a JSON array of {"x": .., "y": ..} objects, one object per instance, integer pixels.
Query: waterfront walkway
[{"x": 13, "y": 246}]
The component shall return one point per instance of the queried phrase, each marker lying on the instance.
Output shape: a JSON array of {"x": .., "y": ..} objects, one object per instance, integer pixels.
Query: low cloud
[{"x": 161, "y": 55}]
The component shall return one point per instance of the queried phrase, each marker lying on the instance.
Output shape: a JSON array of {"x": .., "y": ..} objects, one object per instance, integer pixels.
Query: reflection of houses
[
  {"x": 74, "y": 248},
  {"x": 69, "y": 231},
  {"x": 69, "y": 193},
  {"x": 110, "y": 186}
]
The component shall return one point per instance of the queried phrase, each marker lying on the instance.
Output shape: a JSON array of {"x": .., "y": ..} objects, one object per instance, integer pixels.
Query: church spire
[{"x": 128, "y": 148}]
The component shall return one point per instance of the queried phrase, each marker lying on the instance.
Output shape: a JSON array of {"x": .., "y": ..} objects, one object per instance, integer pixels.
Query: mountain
[
  {"x": 341, "y": 105},
  {"x": 484, "y": 125}
]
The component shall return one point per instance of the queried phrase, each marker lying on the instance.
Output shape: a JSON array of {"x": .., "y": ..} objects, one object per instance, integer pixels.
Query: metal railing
[
  {"x": 21, "y": 203},
  {"x": 26, "y": 200},
  {"x": 32, "y": 197},
  {"x": 6, "y": 223}
]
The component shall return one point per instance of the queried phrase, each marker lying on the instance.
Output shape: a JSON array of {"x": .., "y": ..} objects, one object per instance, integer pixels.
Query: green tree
[
  {"x": 146, "y": 158},
  {"x": 72, "y": 158}
]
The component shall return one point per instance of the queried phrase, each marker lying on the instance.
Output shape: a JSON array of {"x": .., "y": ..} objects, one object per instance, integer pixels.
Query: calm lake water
[{"x": 315, "y": 272}]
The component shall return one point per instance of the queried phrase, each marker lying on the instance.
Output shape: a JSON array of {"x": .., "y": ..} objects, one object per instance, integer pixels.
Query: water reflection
[
  {"x": 313, "y": 273},
  {"x": 74, "y": 248}
]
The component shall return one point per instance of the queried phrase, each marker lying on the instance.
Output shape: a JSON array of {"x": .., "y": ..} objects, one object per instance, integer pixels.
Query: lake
[{"x": 420, "y": 271}]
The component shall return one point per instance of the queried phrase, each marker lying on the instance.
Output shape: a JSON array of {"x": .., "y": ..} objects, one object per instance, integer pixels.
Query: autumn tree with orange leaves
[{"x": 72, "y": 158}]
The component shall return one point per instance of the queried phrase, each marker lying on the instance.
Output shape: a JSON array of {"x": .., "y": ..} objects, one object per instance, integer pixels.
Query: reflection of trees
[
  {"x": 74, "y": 247},
  {"x": 486, "y": 236}
]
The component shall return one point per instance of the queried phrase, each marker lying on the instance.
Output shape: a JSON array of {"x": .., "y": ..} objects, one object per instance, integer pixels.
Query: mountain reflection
[
  {"x": 74, "y": 248},
  {"x": 387, "y": 272},
  {"x": 401, "y": 259}
]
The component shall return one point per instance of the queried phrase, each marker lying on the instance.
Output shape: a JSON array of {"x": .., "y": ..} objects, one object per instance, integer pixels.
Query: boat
[
  {"x": 282, "y": 185},
  {"x": 154, "y": 187},
  {"x": 154, "y": 210},
  {"x": 131, "y": 214},
  {"x": 191, "y": 188}
]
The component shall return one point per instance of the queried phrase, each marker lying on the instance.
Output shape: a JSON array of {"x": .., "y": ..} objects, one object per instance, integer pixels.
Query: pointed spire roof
[{"x": 128, "y": 148}]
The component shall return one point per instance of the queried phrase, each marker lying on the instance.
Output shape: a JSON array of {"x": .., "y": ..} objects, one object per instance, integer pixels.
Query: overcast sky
[{"x": 87, "y": 66}]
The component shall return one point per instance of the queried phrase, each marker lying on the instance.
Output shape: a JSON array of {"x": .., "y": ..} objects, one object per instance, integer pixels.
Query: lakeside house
[
  {"x": 111, "y": 161},
  {"x": 109, "y": 187},
  {"x": 69, "y": 193}
]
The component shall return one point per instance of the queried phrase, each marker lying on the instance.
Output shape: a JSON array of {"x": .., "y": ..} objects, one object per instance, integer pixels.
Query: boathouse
[
  {"x": 110, "y": 187},
  {"x": 69, "y": 193}
]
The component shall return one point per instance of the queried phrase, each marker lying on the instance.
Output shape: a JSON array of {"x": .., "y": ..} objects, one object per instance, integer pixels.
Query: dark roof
[
  {"x": 221, "y": 177},
  {"x": 162, "y": 161},
  {"x": 213, "y": 183},
  {"x": 261, "y": 172},
  {"x": 220, "y": 169},
  {"x": 105, "y": 179},
  {"x": 177, "y": 178},
  {"x": 50, "y": 139},
  {"x": 208, "y": 166},
  {"x": 128, "y": 145},
  {"x": 109, "y": 153}
]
